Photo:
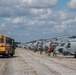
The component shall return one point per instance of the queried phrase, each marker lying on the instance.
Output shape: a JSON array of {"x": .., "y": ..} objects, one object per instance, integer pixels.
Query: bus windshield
[{"x": 1, "y": 40}]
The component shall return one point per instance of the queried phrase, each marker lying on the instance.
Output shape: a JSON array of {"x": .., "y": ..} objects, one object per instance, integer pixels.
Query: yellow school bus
[{"x": 7, "y": 46}]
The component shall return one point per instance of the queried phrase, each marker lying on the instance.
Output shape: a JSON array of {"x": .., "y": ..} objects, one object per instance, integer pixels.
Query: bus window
[
  {"x": 13, "y": 44},
  {"x": 8, "y": 40},
  {"x": 1, "y": 40}
]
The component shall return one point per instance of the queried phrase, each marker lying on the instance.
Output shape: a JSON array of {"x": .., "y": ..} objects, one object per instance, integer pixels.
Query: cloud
[
  {"x": 60, "y": 28},
  {"x": 72, "y": 4},
  {"x": 17, "y": 20},
  {"x": 35, "y": 18},
  {"x": 70, "y": 21},
  {"x": 10, "y": 8},
  {"x": 40, "y": 11},
  {"x": 29, "y": 3},
  {"x": 3, "y": 27},
  {"x": 19, "y": 26},
  {"x": 42, "y": 18},
  {"x": 10, "y": 3},
  {"x": 5, "y": 12},
  {"x": 28, "y": 12},
  {"x": 38, "y": 3},
  {"x": 57, "y": 16}
]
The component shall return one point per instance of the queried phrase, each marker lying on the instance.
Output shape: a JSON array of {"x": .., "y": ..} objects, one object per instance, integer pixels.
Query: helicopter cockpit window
[
  {"x": 68, "y": 46},
  {"x": 62, "y": 44}
]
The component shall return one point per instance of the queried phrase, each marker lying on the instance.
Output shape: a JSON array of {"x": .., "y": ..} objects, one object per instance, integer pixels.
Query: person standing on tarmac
[
  {"x": 35, "y": 49},
  {"x": 46, "y": 49},
  {"x": 54, "y": 54},
  {"x": 51, "y": 49},
  {"x": 41, "y": 49}
]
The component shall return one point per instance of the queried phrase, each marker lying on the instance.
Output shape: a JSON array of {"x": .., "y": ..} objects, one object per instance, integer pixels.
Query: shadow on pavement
[{"x": 2, "y": 57}]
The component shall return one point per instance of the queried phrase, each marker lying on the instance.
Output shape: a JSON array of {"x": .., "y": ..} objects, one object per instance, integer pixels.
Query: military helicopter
[{"x": 66, "y": 47}]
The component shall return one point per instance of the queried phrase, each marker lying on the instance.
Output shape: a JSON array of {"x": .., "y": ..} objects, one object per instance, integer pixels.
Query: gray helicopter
[{"x": 67, "y": 47}]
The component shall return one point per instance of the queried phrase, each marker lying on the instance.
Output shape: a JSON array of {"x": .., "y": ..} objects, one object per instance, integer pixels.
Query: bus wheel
[
  {"x": 75, "y": 56},
  {"x": 3, "y": 55},
  {"x": 11, "y": 55},
  {"x": 7, "y": 55}
]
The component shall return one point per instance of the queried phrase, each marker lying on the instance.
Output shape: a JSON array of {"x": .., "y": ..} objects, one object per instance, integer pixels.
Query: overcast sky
[{"x": 27, "y": 20}]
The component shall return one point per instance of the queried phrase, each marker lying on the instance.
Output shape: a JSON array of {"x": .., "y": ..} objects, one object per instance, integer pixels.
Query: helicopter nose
[{"x": 60, "y": 50}]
